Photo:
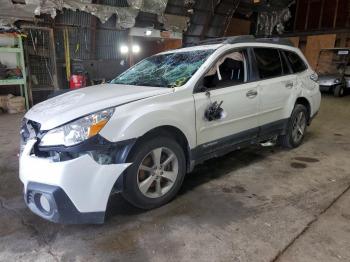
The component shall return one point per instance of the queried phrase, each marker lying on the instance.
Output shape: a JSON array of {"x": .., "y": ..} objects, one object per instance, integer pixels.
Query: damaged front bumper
[{"x": 72, "y": 191}]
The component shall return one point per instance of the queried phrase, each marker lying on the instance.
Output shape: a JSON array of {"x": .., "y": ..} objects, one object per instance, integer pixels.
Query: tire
[
  {"x": 339, "y": 91},
  {"x": 289, "y": 140},
  {"x": 138, "y": 176}
]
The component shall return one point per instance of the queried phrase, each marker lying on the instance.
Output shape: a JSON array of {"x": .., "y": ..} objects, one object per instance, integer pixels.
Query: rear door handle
[
  {"x": 289, "y": 85},
  {"x": 252, "y": 93}
]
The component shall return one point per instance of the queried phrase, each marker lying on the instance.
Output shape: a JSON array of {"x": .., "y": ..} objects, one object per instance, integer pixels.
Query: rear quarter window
[{"x": 297, "y": 64}]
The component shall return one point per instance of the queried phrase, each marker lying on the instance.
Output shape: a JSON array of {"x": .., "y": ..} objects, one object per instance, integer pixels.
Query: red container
[{"x": 77, "y": 81}]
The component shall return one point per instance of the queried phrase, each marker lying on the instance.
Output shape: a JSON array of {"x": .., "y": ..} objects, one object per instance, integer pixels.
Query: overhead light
[
  {"x": 136, "y": 49},
  {"x": 148, "y": 32},
  {"x": 124, "y": 49}
]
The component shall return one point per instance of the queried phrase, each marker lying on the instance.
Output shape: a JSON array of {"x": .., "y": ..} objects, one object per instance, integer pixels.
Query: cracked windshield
[{"x": 164, "y": 70}]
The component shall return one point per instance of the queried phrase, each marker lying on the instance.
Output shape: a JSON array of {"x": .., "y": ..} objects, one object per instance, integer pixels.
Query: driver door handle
[{"x": 252, "y": 93}]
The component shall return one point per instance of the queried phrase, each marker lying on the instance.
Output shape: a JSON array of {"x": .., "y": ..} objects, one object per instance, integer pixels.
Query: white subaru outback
[{"x": 141, "y": 133}]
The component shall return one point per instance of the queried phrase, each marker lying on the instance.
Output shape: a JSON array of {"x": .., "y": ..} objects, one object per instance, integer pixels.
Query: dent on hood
[{"x": 57, "y": 104}]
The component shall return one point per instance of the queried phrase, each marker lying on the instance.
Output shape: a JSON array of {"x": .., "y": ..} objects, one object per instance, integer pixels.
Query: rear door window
[
  {"x": 296, "y": 62},
  {"x": 268, "y": 62}
]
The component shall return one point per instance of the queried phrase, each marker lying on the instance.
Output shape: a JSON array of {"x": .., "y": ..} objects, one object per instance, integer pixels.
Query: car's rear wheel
[
  {"x": 156, "y": 174},
  {"x": 296, "y": 128},
  {"x": 339, "y": 91}
]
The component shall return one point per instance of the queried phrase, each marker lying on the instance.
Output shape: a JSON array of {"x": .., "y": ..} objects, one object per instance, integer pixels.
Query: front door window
[{"x": 229, "y": 70}]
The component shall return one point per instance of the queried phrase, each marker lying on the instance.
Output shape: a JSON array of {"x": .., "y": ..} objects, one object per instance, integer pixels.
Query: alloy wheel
[
  {"x": 157, "y": 172},
  {"x": 299, "y": 126}
]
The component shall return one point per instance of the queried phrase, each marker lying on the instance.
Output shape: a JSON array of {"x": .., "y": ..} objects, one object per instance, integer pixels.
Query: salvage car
[
  {"x": 141, "y": 133},
  {"x": 333, "y": 69}
]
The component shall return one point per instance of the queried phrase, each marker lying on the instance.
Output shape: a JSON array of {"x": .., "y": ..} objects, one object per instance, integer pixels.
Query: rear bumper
[
  {"x": 77, "y": 190},
  {"x": 326, "y": 88}
]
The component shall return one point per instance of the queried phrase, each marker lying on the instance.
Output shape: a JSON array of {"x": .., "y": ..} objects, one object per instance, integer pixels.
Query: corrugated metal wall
[
  {"x": 102, "y": 61},
  {"x": 78, "y": 24},
  {"x": 108, "y": 38},
  {"x": 108, "y": 42},
  {"x": 69, "y": 17},
  {"x": 79, "y": 43}
]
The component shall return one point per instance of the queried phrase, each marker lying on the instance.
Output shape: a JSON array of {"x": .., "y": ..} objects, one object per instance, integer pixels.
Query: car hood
[{"x": 72, "y": 105}]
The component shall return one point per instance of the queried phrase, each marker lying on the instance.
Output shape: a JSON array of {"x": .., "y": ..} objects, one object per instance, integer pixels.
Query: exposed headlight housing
[{"x": 78, "y": 130}]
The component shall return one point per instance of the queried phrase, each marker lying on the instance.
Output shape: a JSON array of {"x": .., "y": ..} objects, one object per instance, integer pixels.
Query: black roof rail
[
  {"x": 243, "y": 39},
  {"x": 275, "y": 40},
  {"x": 223, "y": 40},
  {"x": 239, "y": 39}
]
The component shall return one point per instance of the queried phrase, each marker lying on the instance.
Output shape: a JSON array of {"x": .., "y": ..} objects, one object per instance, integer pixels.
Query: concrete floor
[{"x": 258, "y": 204}]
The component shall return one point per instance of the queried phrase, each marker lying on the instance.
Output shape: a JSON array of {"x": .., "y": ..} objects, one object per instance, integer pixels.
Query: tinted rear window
[
  {"x": 296, "y": 62},
  {"x": 268, "y": 62}
]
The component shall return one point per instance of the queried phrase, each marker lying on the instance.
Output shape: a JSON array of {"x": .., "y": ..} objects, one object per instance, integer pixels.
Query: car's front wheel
[
  {"x": 296, "y": 128},
  {"x": 156, "y": 174}
]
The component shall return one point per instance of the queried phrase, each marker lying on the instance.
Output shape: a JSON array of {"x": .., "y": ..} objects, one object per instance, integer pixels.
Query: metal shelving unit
[{"x": 22, "y": 82}]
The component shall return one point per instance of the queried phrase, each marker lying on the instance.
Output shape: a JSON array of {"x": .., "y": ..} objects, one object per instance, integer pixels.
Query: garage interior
[{"x": 256, "y": 204}]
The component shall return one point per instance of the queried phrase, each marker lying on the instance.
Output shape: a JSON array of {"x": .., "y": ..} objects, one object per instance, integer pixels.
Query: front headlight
[
  {"x": 337, "y": 81},
  {"x": 77, "y": 131}
]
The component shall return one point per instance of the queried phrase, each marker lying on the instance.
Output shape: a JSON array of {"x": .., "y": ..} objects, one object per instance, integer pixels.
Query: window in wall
[
  {"x": 228, "y": 71},
  {"x": 268, "y": 62},
  {"x": 296, "y": 62}
]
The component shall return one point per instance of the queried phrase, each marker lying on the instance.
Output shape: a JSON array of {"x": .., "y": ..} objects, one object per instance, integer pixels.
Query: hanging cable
[
  {"x": 45, "y": 58},
  {"x": 66, "y": 52}
]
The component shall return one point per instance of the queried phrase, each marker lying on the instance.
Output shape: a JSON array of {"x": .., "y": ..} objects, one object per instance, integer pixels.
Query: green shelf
[
  {"x": 6, "y": 82},
  {"x": 10, "y": 50},
  {"x": 18, "y": 52}
]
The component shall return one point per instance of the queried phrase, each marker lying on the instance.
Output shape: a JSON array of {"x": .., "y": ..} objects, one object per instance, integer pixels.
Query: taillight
[{"x": 77, "y": 81}]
